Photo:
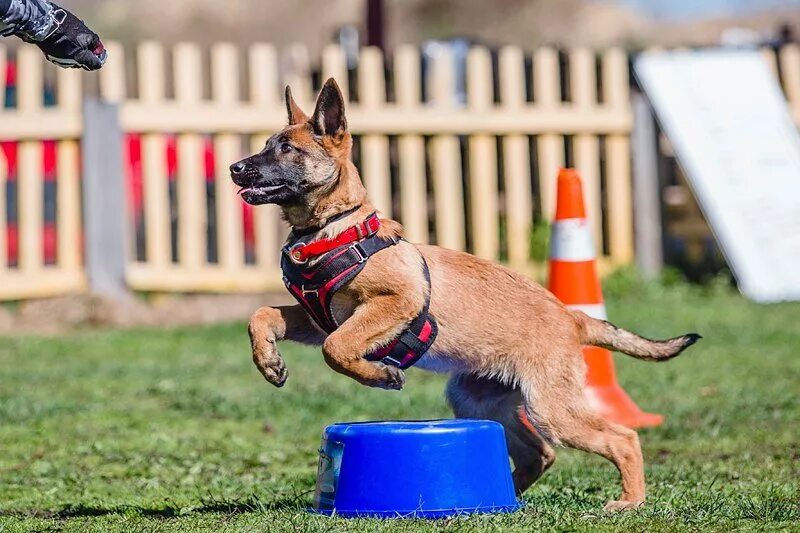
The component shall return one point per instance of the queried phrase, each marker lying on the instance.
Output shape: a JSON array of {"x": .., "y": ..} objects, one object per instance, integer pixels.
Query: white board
[{"x": 732, "y": 133}]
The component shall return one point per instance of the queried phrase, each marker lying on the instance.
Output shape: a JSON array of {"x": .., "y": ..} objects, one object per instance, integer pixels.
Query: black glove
[{"x": 70, "y": 44}]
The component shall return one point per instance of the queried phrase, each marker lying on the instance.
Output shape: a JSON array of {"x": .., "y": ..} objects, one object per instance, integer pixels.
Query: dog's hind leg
[
  {"x": 532, "y": 454},
  {"x": 555, "y": 402},
  {"x": 475, "y": 397},
  {"x": 271, "y": 324}
]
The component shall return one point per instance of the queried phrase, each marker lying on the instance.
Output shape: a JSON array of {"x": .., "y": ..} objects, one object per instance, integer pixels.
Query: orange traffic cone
[{"x": 574, "y": 280}]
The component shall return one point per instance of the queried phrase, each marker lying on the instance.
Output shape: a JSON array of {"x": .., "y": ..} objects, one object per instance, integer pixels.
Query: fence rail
[{"x": 471, "y": 172}]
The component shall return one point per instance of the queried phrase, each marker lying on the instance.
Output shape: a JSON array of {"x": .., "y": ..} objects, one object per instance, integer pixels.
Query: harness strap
[
  {"x": 416, "y": 339},
  {"x": 314, "y": 287},
  {"x": 300, "y": 253}
]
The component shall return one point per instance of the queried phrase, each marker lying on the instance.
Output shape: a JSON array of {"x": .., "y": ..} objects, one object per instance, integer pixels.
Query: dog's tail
[{"x": 601, "y": 333}]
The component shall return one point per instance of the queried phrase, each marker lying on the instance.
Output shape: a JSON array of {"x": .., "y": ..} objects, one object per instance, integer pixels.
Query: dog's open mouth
[
  {"x": 266, "y": 189},
  {"x": 261, "y": 194}
]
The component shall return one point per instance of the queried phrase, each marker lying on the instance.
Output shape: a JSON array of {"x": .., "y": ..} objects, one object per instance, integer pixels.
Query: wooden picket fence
[
  {"x": 469, "y": 176},
  {"x": 425, "y": 134},
  {"x": 31, "y": 123}
]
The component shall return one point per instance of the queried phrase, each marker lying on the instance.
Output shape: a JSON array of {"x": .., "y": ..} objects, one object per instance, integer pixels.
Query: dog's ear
[
  {"x": 328, "y": 116},
  {"x": 296, "y": 115}
]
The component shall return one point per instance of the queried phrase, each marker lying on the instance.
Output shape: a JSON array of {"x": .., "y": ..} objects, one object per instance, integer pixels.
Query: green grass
[{"x": 175, "y": 429}]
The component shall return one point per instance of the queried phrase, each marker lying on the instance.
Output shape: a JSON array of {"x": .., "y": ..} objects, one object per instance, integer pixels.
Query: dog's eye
[{"x": 285, "y": 148}]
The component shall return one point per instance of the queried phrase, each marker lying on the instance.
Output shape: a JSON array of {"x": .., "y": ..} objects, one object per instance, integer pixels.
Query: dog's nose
[{"x": 237, "y": 168}]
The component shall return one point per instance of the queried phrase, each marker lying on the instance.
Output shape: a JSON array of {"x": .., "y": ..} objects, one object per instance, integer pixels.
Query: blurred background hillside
[{"x": 597, "y": 23}]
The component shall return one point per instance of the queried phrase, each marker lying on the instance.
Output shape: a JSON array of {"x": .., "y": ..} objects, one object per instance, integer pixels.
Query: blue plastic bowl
[{"x": 414, "y": 469}]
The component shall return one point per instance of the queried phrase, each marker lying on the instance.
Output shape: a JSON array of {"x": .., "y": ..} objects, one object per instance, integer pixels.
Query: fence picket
[
  {"x": 3, "y": 171},
  {"x": 112, "y": 75},
  {"x": 411, "y": 148},
  {"x": 263, "y": 62},
  {"x": 191, "y": 184},
  {"x": 790, "y": 68},
  {"x": 2, "y": 76},
  {"x": 446, "y": 158},
  {"x": 227, "y": 149},
  {"x": 334, "y": 65},
  {"x": 69, "y": 206},
  {"x": 482, "y": 159},
  {"x": 374, "y": 148},
  {"x": 583, "y": 87},
  {"x": 30, "y": 178},
  {"x": 68, "y": 198},
  {"x": 516, "y": 161},
  {"x": 616, "y": 94},
  {"x": 3, "y": 215},
  {"x": 297, "y": 74},
  {"x": 769, "y": 58},
  {"x": 154, "y": 170},
  {"x": 547, "y": 95}
]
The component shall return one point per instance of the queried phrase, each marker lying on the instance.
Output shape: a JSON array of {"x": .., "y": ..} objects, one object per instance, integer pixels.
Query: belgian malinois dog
[{"x": 512, "y": 349}]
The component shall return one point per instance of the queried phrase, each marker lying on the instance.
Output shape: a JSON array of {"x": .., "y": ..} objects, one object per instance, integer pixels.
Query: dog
[{"x": 512, "y": 349}]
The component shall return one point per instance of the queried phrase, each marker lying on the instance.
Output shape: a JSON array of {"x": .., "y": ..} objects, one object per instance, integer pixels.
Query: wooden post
[
  {"x": 376, "y": 24},
  {"x": 411, "y": 148},
  {"x": 30, "y": 181},
  {"x": 484, "y": 203},
  {"x": 104, "y": 207},
  {"x": 648, "y": 235},
  {"x": 3, "y": 176},
  {"x": 583, "y": 87},
  {"x": 263, "y": 64},
  {"x": 516, "y": 161},
  {"x": 619, "y": 210},
  {"x": 445, "y": 150},
  {"x": 68, "y": 189},
  {"x": 374, "y": 148},
  {"x": 547, "y": 92},
  {"x": 191, "y": 177},
  {"x": 227, "y": 149}
]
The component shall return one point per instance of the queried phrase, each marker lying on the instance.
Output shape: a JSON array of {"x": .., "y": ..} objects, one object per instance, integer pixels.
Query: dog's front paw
[
  {"x": 271, "y": 365},
  {"x": 393, "y": 378}
]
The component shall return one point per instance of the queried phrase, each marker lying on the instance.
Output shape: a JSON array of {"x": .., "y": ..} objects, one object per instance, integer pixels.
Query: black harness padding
[{"x": 314, "y": 286}]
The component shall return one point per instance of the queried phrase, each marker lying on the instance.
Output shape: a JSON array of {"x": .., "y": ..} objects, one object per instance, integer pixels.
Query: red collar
[{"x": 300, "y": 252}]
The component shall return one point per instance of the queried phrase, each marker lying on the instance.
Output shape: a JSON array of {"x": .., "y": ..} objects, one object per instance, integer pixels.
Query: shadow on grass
[{"x": 225, "y": 507}]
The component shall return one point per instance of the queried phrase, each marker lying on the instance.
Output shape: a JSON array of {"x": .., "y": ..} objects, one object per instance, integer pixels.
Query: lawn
[{"x": 175, "y": 429}]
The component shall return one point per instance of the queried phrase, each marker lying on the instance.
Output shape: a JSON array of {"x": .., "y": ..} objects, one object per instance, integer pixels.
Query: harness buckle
[
  {"x": 309, "y": 291},
  {"x": 359, "y": 252},
  {"x": 295, "y": 256},
  {"x": 391, "y": 360}
]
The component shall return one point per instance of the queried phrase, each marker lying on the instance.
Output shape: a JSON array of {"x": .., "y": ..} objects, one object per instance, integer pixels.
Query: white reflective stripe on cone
[
  {"x": 597, "y": 311},
  {"x": 571, "y": 240}
]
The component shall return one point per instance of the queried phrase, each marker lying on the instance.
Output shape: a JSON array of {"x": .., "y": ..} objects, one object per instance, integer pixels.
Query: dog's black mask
[{"x": 275, "y": 175}]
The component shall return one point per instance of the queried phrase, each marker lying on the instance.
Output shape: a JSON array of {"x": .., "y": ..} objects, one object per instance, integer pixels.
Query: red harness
[{"x": 345, "y": 256}]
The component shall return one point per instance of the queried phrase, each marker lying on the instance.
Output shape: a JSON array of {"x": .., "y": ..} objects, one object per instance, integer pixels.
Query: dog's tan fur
[{"x": 514, "y": 351}]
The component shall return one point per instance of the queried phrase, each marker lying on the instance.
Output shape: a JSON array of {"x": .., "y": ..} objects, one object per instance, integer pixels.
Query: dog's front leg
[
  {"x": 378, "y": 320},
  {"x": 267, "y": 326}
]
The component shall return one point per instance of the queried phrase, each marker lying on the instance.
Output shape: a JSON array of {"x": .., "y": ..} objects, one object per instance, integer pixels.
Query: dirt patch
[{"x": 62, "y": 314}]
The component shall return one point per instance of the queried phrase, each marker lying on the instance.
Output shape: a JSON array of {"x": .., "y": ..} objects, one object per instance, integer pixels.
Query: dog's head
[{"x": 302, "y": 161}]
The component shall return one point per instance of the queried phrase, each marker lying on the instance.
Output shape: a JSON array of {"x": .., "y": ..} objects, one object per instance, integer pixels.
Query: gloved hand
[{"x": 70, "y": 44}]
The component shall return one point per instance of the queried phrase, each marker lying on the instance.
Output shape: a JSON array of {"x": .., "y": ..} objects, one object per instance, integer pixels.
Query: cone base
[{"x": 614, "y": 404}]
